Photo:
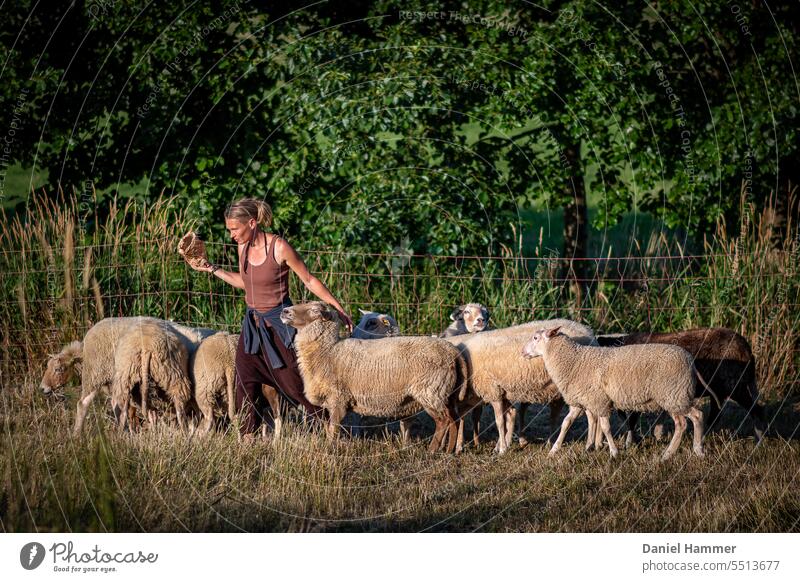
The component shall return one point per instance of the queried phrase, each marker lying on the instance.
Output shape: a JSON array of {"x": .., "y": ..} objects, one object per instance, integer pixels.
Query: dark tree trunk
[{"x": 575, "y": 221}]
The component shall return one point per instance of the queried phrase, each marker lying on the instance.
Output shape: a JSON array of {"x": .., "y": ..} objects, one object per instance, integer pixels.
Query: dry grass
[{"x": 162, "y": 480}]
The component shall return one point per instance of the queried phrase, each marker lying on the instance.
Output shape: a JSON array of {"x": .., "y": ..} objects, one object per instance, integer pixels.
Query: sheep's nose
[{"x": 45, "y": 389}]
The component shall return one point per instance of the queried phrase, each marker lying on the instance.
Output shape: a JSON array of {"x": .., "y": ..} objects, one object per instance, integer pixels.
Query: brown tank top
[{"x": 265, "y": 285}]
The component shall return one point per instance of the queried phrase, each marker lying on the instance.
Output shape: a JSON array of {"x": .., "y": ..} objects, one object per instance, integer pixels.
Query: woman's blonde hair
[{"x": 248, "y": 208}]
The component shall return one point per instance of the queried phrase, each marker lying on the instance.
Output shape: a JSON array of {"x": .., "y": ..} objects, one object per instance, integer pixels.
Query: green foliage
[{"x": 368, "y": 124}]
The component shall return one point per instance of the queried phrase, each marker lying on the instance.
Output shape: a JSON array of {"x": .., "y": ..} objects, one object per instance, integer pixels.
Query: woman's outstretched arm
[{"x": 230, "y": 277}]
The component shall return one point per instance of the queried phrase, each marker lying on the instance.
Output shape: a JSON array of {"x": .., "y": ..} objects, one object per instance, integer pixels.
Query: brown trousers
[{"x": 253, "y": 370}]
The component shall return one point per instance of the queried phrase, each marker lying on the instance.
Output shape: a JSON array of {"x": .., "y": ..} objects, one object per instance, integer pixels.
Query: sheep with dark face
[
  {"x": 390, "y": 377},
  {"x": 374, "y": 325},
  {"x": 469, "y": 318}
]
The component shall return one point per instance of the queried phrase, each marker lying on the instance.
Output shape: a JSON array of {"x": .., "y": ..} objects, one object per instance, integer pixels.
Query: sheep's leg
[
  {"x": 452, "y": 430},
  {"x": 336, "y": 415},
  {"x": 499, "y": 419},
  {"x": 696, "y": 416},
  {"x": 83, "y": 408},
  {"x": 680, "y": 428},
  {"x": 556, "y": 406},
  {"x": 593, "y": 431},
  {"x": 438, "y": 432},
  {"x": 523, "y": 408},
  {"x": 477, "y": 412},
  {"x": 605, "y": 426},
  {"x": 180, "y": 413},
  {"x": 123, "y": 405},
  {"x": 405, "y": 430},
  {"x": 574, "y": 412},
  {"x": 207, "y": 410},
  {"x": 461, "y": 422},
  {"x": 632, "y": 422},
  {"x": 511, "y": 422},
  {"x": 714, "y": 412}
]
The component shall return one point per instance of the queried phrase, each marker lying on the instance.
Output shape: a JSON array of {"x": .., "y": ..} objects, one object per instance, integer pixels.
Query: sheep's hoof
[
  {"x": 552, "y": 452},
  {"x": 614, "y": 454},
  {"x": 700, "y": 453}
]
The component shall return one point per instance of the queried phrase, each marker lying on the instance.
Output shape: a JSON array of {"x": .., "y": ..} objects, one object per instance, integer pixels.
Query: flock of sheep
[{"x": 143, "y": 362}]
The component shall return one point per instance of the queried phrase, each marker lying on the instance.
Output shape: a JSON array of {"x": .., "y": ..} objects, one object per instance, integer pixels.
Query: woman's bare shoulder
[{"x": 283, "y": 249}]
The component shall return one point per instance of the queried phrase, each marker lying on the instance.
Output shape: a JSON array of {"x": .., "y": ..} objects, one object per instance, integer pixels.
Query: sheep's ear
[
  {"x": 362, "y": 312},
  {"x": 552, "y": 332},
  {"x": 488, "y": 314},
  {"x": 458, "y": 313}
]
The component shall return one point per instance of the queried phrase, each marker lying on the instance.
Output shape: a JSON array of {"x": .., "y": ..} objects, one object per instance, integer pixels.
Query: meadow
[{"x": 66, "y": 267}]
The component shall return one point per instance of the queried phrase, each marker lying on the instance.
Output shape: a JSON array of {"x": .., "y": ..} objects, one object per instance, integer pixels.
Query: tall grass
[{"x": 63, "y": 269}]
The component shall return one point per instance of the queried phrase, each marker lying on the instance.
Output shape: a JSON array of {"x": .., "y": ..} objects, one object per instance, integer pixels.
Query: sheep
[
  {"x": 642, "y": 378},
  {"x": 469, "y": 318},
  {"x": 213, "y": 374},
  {"x": 62, "y": 367},
  {"x": 389, "y": 377},
  {"x": 721, "y": 356},
  {"x": 151, "y": 350},
  {"x": 374, "y": 325},
  {"x": 498, "y": 376},
  {"x": 93, "y": 361}
]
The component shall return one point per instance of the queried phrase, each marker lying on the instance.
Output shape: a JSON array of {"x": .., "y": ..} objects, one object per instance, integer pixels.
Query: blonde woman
[{"x": 265, "y": 354}]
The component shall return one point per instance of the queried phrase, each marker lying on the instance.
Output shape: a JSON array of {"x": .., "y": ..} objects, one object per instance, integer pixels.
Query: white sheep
[
  {"x": 498, "y": 376},
  {"x": 213, "y": 374},
  {"x": 469, "y": 318},
  {"x": 151, "y": 350},
  {"x": 642, "y": 378},
  {"x": 390, "y": 377},
  {"x": 92, "y": 360},
  {"x": 374, "y": 325}
]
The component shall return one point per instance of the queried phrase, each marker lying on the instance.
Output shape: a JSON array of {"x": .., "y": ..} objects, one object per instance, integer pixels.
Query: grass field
[{"x": 163, "y": 480}]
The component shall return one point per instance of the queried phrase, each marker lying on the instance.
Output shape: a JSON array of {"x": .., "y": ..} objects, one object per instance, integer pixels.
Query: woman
[{"x": 264, "y": 354}]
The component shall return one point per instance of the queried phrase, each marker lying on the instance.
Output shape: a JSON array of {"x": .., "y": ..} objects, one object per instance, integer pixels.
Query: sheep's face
[
  {"x": 299, "y": 316},
  {"x": 375, "y": 325},
  {"x": 474, "y": 315},
  {"x": 60, "y": 370},
  {"x": 538, "y": 342}
]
